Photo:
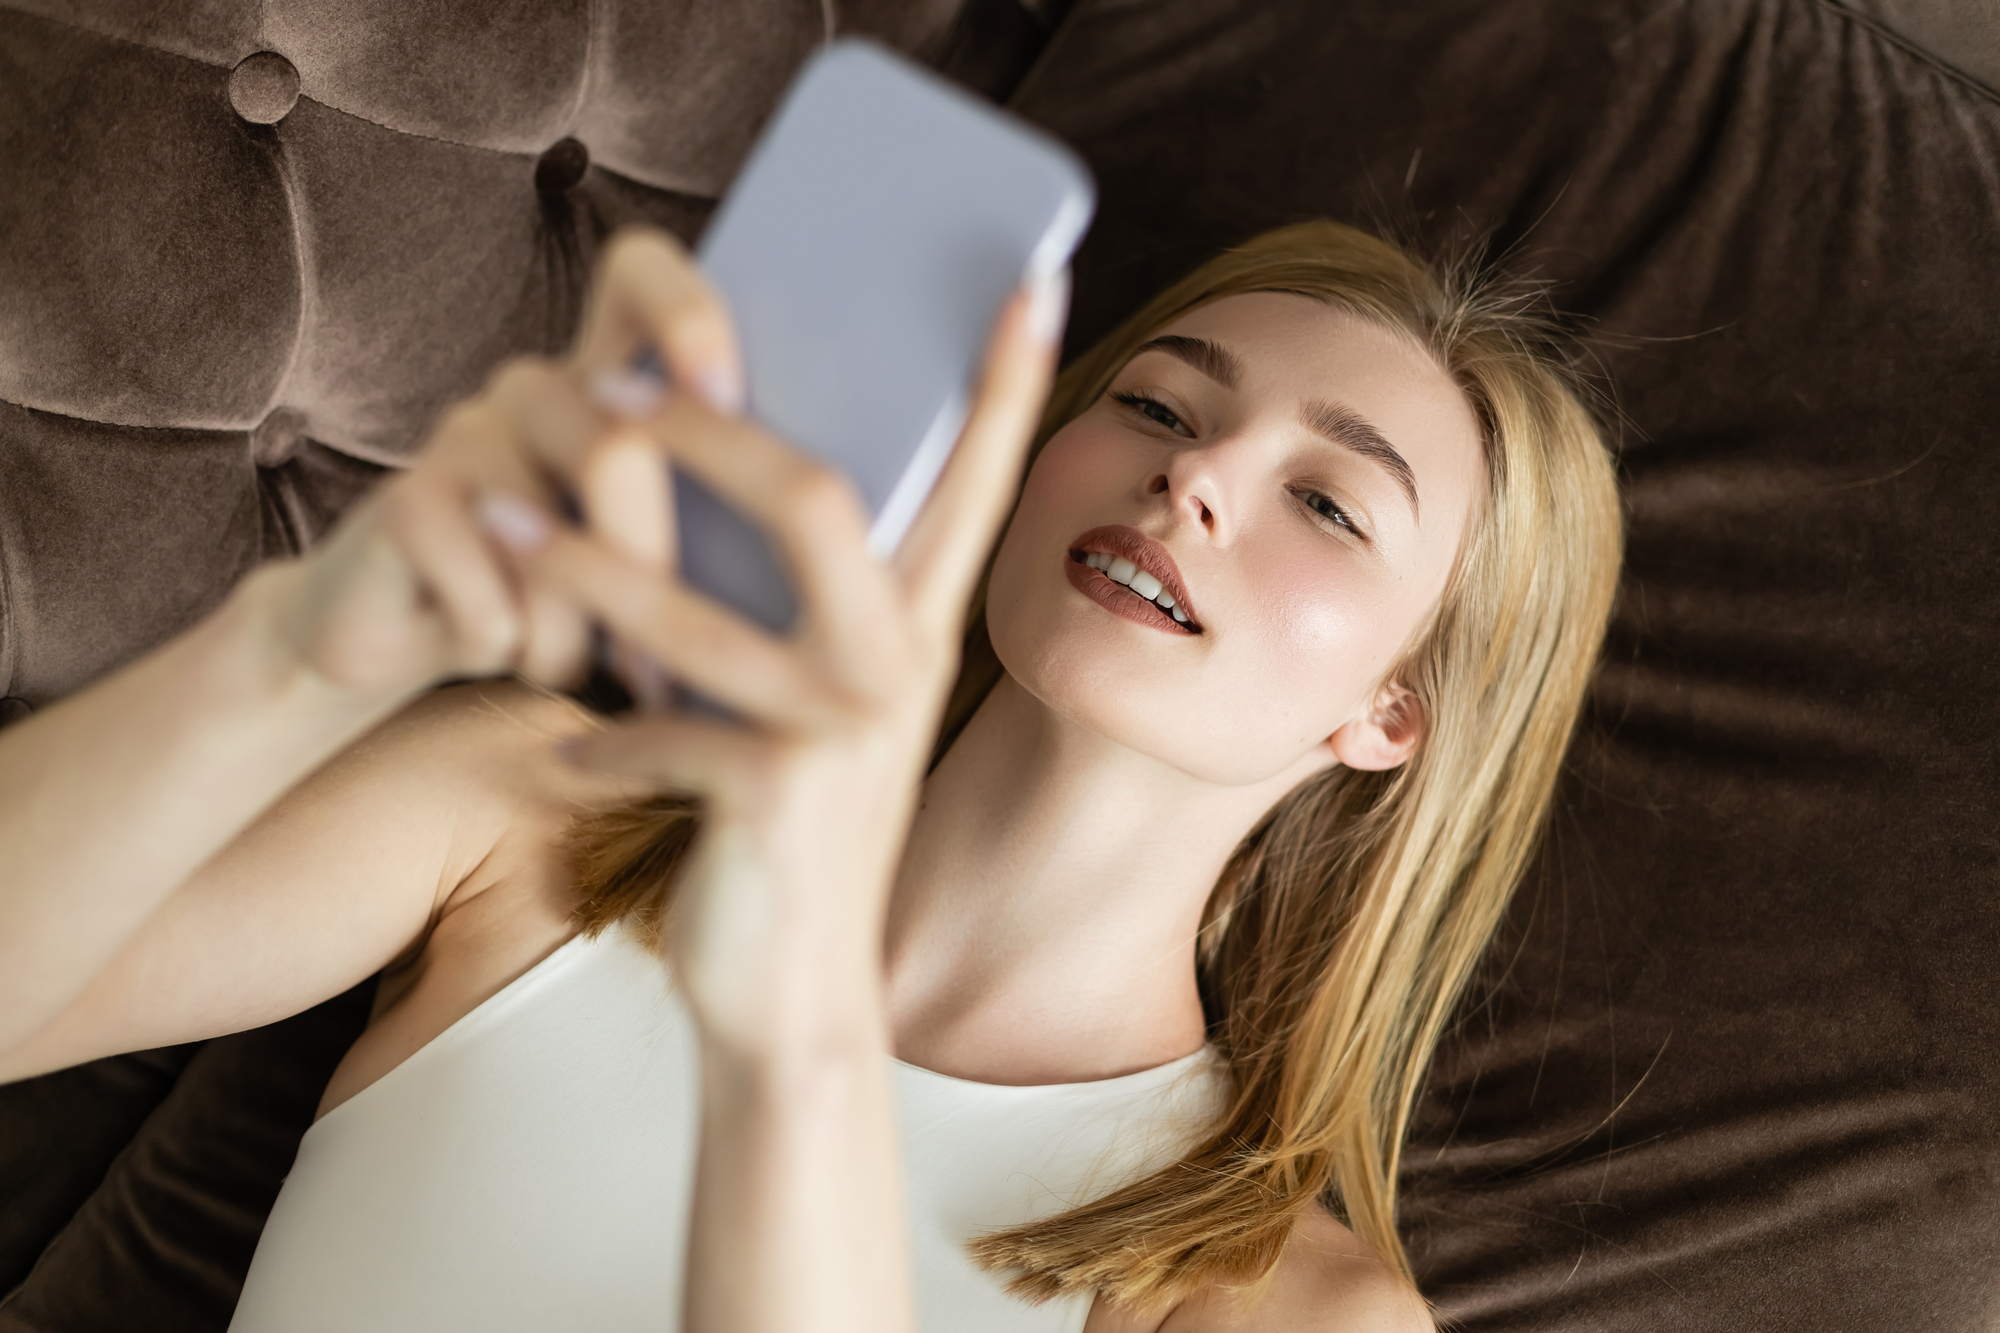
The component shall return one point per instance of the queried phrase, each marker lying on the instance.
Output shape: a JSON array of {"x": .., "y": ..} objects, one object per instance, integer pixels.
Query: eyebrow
[
  {"x": 1343, "y": 426},
  {"x": 1211, "y": 359},
  {"x": 1350, "y": 429}
]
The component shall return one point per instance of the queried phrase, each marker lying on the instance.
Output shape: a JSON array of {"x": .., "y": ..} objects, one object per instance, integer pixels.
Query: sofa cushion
[
  {"x": 150, "y": 273},
  {"x": 1965, "y": 37},
  {"x": 1731, "y": 1066},
  {"x": 216, "y": 333}
]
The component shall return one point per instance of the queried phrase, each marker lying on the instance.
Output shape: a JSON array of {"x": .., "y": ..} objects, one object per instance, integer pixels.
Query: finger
[
  {"x": 702, "y": 643},
  {"x": 550, "y": 421},
  {"x": 533, "y": 427},
  {"x": 812, "y": 514},
  {"x": 648, "y": 294},
  {"x": 559, "y": 646},
  {"x": 626, "y": 489},
  {"x": 949, "y": 542},
  {"x": 627, "y": 496},
  {"x": 556, "y": 645},
  {"x": 426, "y": 515}
]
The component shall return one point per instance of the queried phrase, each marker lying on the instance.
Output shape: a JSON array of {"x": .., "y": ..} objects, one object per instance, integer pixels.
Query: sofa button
[
  {"x": 264, "y": 88},
  {"x": 561, "y": 167},
  {"x": 277, "y": 438}
]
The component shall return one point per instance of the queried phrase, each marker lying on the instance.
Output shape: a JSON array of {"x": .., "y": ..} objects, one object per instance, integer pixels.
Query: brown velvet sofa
[{"x": 1732, "y": 1065}]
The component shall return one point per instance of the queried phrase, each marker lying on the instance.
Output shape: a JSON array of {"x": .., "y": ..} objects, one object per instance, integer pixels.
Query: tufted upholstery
[
  {"x": 253, "y": 246},
  {"x": 1731, "y": 1066}
]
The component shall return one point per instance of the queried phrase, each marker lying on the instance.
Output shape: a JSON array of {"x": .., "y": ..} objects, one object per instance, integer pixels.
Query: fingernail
[
  {"x": 514, "y": 523},
  {"x": 1048, "y": 305},
  {"x": 721, "y": 387},
  {"x": 627, "y": 392}
]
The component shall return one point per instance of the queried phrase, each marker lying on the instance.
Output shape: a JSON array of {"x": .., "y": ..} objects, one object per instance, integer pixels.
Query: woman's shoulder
[
  {"x": 498, "y": 735},
  {"x": 480, "y": 719},
  {"x": 478, "y": 762},
  {"x": 1326, "y": 1281},
  {"x": 1329, "y": 1281},
  {"x": 484, "y": 754}
]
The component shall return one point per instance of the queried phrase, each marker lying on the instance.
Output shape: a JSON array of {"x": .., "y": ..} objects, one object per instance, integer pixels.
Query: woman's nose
[{"x": 1202, "y": 486}]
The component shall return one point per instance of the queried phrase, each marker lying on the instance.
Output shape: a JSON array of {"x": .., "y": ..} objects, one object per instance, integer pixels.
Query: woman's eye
[
  {"x": 1325, "y": 507},
  {"x": 1153, "y": 410}
]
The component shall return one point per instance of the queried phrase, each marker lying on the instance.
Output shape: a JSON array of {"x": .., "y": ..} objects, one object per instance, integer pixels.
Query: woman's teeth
[{"x": 1120, "y": 570}]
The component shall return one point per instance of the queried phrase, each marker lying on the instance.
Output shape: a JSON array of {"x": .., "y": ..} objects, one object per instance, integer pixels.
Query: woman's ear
[{"x": 1384, "y": 736}]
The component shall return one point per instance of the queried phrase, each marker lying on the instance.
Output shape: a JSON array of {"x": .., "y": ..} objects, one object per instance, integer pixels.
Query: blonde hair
[{"x": 1347, "y": 923}]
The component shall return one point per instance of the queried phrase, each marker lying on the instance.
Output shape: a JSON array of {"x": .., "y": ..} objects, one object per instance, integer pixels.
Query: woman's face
[{"x": 1298, "y": 482}]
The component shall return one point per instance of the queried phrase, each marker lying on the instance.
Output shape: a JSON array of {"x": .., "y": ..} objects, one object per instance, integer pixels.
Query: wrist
[
  {"x": 795, "y": 1065},
  {"x": 268, "y": 657},
  {"x": 250, "y": 666},
  {"x": 777, "y": 1020}
]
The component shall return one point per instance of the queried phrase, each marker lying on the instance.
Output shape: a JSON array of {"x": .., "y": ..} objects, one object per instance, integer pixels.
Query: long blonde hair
[{"x": 1345, "y": 926}]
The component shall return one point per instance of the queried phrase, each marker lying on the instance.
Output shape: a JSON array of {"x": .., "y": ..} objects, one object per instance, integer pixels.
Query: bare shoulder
[
  {"x": 1326, "y": 1281},
  {"x": 495, "y": 736},
  {"x": 479, "y": 719},
  {"x": 441, "y": 826},
  {"x": 486, "y": 752}
]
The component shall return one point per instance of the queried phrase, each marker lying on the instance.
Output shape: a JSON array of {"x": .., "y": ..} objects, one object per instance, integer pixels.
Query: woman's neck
[{"x": 1042, "y": 928}]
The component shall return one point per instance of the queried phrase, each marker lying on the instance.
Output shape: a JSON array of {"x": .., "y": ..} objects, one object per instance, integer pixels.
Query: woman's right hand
[{"x": 411, "y": 588}]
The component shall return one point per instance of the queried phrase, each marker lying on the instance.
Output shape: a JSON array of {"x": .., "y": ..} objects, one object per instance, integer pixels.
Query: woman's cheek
[
  {"x": 1059, "y": 499},
  {"x": 1326, "y": 638},
  {"x": 1084, "y": 465}
]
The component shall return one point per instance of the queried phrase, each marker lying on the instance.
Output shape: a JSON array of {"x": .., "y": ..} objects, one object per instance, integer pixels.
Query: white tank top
[{"x": 531, "y": 1168}]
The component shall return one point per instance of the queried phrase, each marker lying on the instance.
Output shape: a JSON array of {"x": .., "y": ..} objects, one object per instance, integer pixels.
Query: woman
[{"x": 1270, "y": 679}]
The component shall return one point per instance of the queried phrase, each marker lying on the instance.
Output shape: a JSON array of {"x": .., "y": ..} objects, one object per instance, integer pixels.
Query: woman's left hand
[{"x": 807, "y": 805}]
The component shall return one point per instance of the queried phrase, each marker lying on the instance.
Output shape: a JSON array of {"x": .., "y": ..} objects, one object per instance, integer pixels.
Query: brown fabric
[
  {"x": 127, "y": 577},
  {"x": 163, "y": 1243},
  {"x": 1733, "y": 1064},
  {"x": 152, "y": 281},
  {"x": 1965, "y": 36},
  {"x": 63, "y": 1132},
  {"x": 117, "y": 160}
]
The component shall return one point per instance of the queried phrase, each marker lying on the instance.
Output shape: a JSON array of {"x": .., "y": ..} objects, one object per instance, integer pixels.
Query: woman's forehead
[
  {"x": 1278, "y": 332},
  {"x": 1287, "y": 351}
]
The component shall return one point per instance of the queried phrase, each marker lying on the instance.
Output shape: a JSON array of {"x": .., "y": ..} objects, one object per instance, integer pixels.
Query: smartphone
[{"x": 865, "y": 250}]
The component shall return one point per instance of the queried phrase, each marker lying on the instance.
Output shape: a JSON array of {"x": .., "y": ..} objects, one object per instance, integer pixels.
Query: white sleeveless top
[{"x": 531, "y": 1169}]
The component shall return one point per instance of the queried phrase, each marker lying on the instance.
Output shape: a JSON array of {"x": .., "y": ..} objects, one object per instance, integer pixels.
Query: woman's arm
[
  {"x": 111, "y": 800},
  {"x": 453, "y": 797}
]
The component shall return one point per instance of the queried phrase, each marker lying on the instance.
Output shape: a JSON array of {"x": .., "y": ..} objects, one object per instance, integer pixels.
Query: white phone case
[{"x": 865, "y": 250}]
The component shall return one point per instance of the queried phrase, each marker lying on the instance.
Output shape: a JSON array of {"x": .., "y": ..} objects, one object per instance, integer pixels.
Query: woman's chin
[{"x": 1083, "y": 687}]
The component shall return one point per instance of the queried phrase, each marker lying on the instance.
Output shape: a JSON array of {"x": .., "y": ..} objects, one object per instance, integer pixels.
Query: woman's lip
[
  {"x": 1118, "y": 599},
  {"x": 1118, "y": 540}
]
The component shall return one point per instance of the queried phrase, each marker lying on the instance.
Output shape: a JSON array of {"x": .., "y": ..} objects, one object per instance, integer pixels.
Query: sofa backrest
[{"x": 250, "y": 248}]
